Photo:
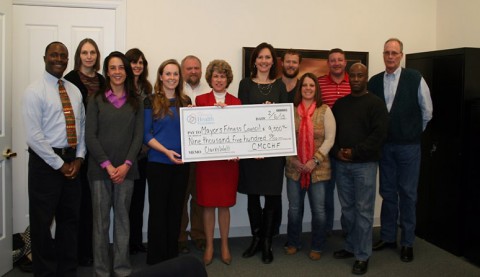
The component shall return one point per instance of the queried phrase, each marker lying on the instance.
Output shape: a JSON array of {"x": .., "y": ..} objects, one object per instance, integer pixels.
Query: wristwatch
[{"x": 316, "y": 161}]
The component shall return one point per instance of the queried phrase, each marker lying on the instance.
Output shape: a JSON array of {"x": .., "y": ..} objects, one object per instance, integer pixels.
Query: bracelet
[{"x": 317, "y": 162}]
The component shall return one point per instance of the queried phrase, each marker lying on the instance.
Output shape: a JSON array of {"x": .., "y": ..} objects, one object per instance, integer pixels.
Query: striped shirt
[{"x": 331, "y": 91}]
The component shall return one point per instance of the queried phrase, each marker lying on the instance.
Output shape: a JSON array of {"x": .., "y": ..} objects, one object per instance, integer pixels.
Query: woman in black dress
[
  {"x": 262, "y": 176},
  {"x": 86, "y": 77},
  {"x": 143, "y": 88}
]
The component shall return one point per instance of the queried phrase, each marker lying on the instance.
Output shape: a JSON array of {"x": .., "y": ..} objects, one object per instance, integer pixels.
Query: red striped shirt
[{"x": 331, "y": 91}]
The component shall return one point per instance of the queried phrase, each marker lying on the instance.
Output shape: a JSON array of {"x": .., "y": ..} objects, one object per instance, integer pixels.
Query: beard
[
  {"x": 193, "y": 80},
  {"x": 291, "y": 76}
]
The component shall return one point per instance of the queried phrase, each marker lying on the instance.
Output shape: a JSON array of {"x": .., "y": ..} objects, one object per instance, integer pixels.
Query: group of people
[{"x": 345, "y": 127}]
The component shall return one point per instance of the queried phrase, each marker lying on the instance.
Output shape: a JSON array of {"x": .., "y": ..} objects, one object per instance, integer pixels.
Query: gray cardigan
[{"x": 113, "y": 134}]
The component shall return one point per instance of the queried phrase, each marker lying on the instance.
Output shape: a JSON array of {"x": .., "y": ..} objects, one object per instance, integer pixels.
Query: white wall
[
  {"x": 219, "y": 29},
  {"x": 213, "y": 29},
  {"x": 458, "y": 24}
]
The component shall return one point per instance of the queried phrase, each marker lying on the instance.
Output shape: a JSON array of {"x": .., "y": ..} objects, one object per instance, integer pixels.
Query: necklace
[{"x": 265, "y": 89}]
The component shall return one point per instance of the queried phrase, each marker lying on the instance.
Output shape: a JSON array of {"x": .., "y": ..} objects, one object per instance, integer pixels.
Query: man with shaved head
[
  {"x": 54, "y": 120},
  {"x": 362, "y": 120}
]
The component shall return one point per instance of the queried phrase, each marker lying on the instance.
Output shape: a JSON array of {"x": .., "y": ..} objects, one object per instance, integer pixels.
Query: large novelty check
[{"x": 247, "y": 131}]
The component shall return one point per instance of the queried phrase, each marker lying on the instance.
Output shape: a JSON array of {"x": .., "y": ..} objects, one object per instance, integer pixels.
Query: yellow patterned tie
[{"x": 69, "y": 115}]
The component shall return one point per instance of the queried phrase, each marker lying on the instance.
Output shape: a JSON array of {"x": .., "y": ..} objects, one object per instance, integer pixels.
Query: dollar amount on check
[{"x": 247, "y": 131}]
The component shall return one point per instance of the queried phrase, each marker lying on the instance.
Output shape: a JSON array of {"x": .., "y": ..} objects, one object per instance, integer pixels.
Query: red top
[
  {"x": 331, "y": 91},
  {"x": 217, "y": 181}
]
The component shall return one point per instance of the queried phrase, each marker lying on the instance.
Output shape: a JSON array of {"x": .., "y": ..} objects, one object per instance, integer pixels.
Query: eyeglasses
[{"x": 391, "y": 53}]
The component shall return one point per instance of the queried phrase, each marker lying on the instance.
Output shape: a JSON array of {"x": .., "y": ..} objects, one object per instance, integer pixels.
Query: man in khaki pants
[{"x": 192, "y": 74}]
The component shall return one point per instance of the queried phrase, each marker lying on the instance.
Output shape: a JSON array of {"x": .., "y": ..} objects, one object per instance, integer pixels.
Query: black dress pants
[
  {"x": 85, "y": 249},
  {"x": 137, "y": 204},
  {"x": 52, "y": 196},
  {"x": 167, "y": 184}
]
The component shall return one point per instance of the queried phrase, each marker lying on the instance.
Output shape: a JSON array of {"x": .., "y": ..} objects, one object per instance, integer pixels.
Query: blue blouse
[{"x": 165, "y": 130}]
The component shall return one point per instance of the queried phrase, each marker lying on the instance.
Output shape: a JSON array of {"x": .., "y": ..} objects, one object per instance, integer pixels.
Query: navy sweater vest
[{"x": 405, "y": 116}]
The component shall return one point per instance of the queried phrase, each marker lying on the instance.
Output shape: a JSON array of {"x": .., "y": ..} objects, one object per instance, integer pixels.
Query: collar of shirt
[
  {"x": 116, "y": 101},
  {"x": 202, "y": 88},
  {"x": 390, "y": 84},
  {"x": 52, "y": 79},
  {"x": 345, "y": 79},
  {"x": 395, "y": 74},
  {"x": 220, "y": 96}
]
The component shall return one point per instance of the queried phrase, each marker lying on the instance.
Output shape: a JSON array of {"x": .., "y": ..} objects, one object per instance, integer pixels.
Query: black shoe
[
  {"x": 183, "y": 248},
  {"x": 406, "y": 254},
  {"x": 253, "y": 248},
  {"x": 138, "y": 248},
  {"x": 267, "y": 253},
  {"x": 379, "y": 245},
  {"x": 142, "y": 248},
  {"x": 342, "y": 254},
  {"x": 85, "y": 261},
  {"x": 360, "y": 267},
  {"x": 268, "y": 229}
]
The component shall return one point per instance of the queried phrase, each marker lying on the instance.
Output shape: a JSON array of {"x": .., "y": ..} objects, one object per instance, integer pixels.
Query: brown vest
[{"x": 321, "y": 172}]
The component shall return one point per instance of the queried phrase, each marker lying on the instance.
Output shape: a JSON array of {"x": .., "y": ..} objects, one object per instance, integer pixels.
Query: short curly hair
[{"x": 219, "y": 66}]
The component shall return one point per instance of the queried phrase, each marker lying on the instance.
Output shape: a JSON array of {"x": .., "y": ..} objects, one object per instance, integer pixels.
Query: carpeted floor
[{"x": 430, "y": 261}]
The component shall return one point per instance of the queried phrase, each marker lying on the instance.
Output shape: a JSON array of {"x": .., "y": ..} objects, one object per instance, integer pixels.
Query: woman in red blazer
[{"x": 217, "y": 180}]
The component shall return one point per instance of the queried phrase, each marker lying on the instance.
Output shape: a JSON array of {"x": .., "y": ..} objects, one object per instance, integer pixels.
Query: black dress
[
  {"x": 85, "y": 250},
  {"x": 264, "y": 176}
]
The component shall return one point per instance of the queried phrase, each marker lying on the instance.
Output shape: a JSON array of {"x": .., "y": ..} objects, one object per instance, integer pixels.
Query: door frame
[
  {"x": 6, "y": 172},
  {"x": 120, "y": 7},
  {"x": 117, "y": 8}
]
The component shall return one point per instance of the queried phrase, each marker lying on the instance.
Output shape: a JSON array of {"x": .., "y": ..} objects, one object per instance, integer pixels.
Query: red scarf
[{"x": 305, "y": 139}]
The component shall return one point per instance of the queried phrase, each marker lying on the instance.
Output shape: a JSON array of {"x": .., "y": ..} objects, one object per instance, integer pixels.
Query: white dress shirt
[
  {"x": 200, "y": 89},
  {"x": 45, "y": 122}
]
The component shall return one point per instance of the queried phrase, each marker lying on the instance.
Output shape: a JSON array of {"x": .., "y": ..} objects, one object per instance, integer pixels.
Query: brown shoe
[
  {"x": 200, "y": 244},
  {"x": 208, "y": 256},
  {"x": 290, "y": 250},
  {"x": 314, "y": 255}
]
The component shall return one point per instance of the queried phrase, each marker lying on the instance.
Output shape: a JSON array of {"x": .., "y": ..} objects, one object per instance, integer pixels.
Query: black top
[
  {"x": 362, "y": 123},
  {"x": 250, "y": 92},
  {"x": 291, "y": 93},
  {"x": 74, "y": 77},
  {"x": 264, "y": 176}
]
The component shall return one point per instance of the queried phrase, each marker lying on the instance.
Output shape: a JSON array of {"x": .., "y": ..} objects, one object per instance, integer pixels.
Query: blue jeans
[
  {"x": 399, "y": 173},
  {"x": 296, "y": 199},
  {"x": 329, "y": 202},
  {"x": 356, "y": 183}
]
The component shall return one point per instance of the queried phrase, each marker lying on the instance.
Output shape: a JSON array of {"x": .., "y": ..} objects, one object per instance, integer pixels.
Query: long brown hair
[
  {"x": 78, "y": 60},
  {"x": 133, "y": 55},
  {"x": 132, "y": 98},
  {"x": 160, "y": 102},
  {"x": 272, "y": 74},
  {"x": 318, "y": 93}
]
